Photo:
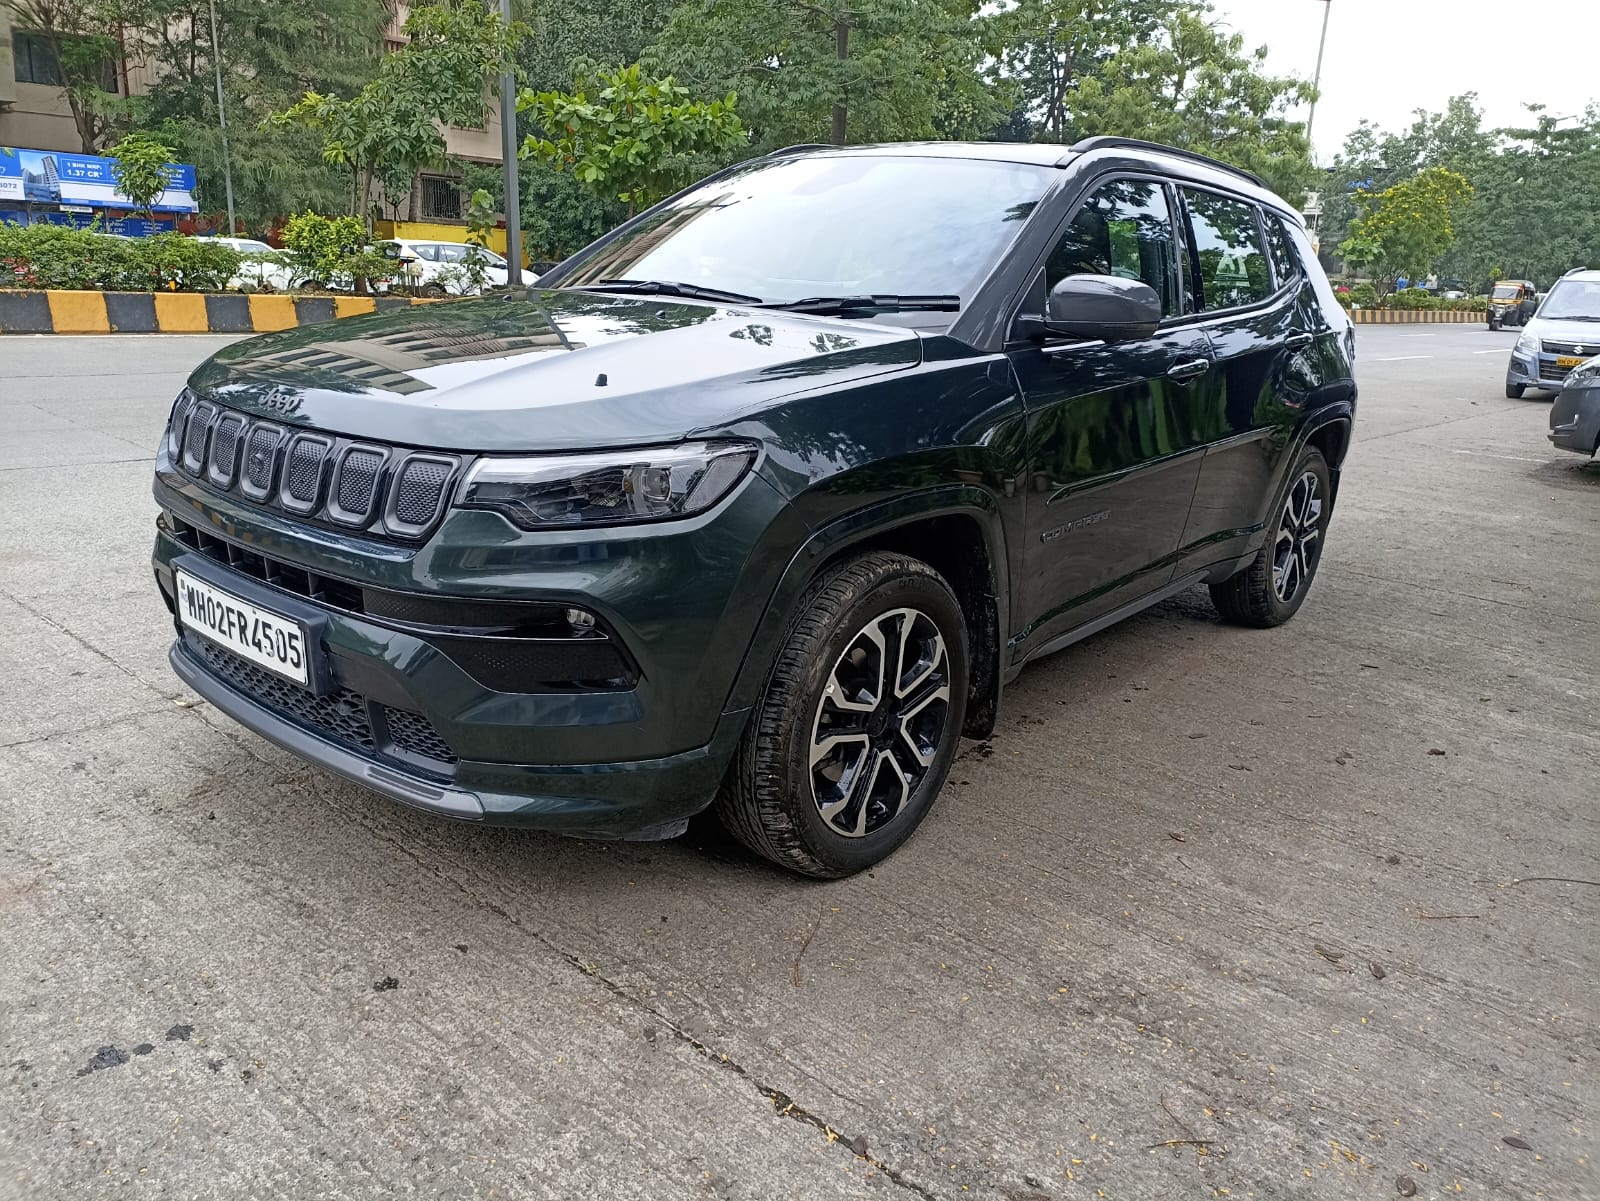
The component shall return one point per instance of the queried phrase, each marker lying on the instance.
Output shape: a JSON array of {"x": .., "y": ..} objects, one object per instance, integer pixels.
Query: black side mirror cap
[{"x": 1104, "y": 308}]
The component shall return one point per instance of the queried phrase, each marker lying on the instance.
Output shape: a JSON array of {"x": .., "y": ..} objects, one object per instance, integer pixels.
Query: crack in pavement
[
  {"x": 85, "y": 644},
  {"x": 1488, "y": 600},
  {"x": 784, "y": 1106}
]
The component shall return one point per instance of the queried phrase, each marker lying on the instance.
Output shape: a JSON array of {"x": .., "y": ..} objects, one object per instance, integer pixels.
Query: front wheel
[
  {"x": 1515, "y": 391},
  {"x": 855, "y": 733},
  {"x": 1271, "y": 590}
]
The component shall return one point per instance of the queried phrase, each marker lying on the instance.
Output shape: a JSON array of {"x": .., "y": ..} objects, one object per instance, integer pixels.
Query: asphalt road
[{"x": 1217, "y": 912}]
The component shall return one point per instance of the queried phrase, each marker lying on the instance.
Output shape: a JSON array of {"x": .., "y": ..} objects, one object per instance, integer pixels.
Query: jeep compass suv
[{"x": 759, "y": 501}]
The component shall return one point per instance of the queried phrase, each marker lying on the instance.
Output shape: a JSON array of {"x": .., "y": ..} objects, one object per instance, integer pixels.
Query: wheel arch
[{"x": 957, "y": 530}]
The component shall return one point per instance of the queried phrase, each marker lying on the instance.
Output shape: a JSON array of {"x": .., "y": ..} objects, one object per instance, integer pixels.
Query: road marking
[
  {"x": 1484, "y": 454},
  {"x": 1401, "y": 358},
  {"x": 1496, "y": 350}
]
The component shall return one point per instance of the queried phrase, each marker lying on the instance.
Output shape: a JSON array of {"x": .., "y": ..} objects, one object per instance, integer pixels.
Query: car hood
[
  {"x": 534, "y": 370},
  {"x": 1583, "y": 333}
]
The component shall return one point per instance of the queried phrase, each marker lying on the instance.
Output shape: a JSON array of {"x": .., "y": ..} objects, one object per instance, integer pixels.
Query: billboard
[{"x": 57, "y": 177}]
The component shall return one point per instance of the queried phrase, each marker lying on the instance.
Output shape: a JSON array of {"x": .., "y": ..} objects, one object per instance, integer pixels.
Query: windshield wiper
[
  {"x": 867, "y": 305},
  {"x": 667, "y": 287}
]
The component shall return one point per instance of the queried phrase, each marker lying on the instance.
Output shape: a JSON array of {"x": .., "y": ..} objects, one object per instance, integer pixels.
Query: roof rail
[
  {"x": 1110, "y": 142},
  {"x": 801, "y": 148}
]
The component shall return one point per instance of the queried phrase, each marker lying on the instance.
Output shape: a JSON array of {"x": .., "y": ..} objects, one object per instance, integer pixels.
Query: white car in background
[
  {"x": 445, "y": 266},
  {"x": 269, "y": 271}
]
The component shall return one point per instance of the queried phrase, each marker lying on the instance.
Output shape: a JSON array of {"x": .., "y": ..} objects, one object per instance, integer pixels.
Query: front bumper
[
  {"x": 420, "y": 724},
  {"x": 1535, "y": 371},
  {"x": 1575, "y": 420}
]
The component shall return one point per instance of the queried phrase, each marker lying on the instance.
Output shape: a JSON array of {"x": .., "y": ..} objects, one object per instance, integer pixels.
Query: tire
[
  {"x": 1273, "y": 587},
  {"x": 832, "y": 814},
  {"x": 1515, "y": 391}
]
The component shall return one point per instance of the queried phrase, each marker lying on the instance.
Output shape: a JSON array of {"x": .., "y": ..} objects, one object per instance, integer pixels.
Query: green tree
[
  {"x": 81, "y": 38},
  {"x": 272, "y": 54},
  {"x": 839, "y": 70},
  {"x": 566, "y": 42},
  {"x": 1194, "y": 85},
  {"x": 1406, "y": 229},
  {"x": 390, "y": 129},
  {"x": 140, "y": 161},
  {"x": 1048, "y": 47},
  {"x": 638, "y": 139}
]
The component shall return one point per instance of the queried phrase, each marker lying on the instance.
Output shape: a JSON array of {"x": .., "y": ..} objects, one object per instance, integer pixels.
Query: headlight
[
  {"x": 1585, "y": 375},
  {"x": 544, "y": 492},
  {"x": 1528, "y": 344}
]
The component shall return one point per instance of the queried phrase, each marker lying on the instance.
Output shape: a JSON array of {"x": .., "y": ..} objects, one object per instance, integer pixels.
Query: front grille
[
  {"x": 386, "y": 492},
  {"x": 1583, "y": 350},
  {"x": 344, "y": 717},
  {"x": 357, "y": 486},
  {"x": 509, "y": 646},
  {"x": 303, "y": 484},
  {"x": 225, "y": 440},
  {"x": 414, "y": 733},
  {"x": 194, "y": 440},
  {"x": 420, "y": 490},
  {"x": 1550, "y": 371}
]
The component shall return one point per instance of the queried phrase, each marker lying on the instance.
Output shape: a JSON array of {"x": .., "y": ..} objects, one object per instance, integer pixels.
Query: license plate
[
  {"x": 1566, "y": 361},
  {"x": 277, "y": 643}
]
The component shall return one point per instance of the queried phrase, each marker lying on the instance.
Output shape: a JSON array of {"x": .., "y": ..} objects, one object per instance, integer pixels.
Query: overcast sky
[{"x": 1386, "y": 58}]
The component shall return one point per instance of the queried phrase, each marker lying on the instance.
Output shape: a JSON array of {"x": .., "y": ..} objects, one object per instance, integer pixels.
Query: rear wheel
[
  {"x": 1271, "y": 590},
  {"x": 861, "y": 717}
]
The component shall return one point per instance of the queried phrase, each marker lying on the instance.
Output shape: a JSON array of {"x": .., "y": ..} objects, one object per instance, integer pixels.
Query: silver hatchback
[{"x": 1561, "y": 336}]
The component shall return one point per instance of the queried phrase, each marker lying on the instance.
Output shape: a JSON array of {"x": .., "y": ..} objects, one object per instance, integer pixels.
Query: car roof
[
  {"x": 1198, "y": 168},
  {"x": 1587, "y": 274}
]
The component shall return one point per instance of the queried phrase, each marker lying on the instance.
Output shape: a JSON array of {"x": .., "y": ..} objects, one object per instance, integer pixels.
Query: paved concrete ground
[{"x": 1286, "y": 914}]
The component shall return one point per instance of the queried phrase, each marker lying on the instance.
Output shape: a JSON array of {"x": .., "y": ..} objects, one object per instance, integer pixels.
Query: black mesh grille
[
  {"x": 1577, "y": 349},
  {"x": 342, "y": 716},
  {"x": 194, "y": 442},
  {"x": 415, "y": 733},
  {"x": 537, "y": 664},
  {"x": 305, "y": 469},
  {"x": 260, "y": 457},
  {"x": 358, "y": 480},
  {"x": 225, "y": 448},
  {"x": 421, "y": 487}
]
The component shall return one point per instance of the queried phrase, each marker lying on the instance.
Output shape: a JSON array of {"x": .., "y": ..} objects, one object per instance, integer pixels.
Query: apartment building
[{"x": 34, "y": 114}]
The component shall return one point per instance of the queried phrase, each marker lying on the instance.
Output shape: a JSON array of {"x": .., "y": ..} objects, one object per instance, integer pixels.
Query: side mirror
[{"x": 1103, "y": 307}]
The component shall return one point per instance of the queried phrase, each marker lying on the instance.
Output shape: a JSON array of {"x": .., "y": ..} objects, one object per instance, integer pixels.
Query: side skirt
[{"x": 1090, "y": 628}]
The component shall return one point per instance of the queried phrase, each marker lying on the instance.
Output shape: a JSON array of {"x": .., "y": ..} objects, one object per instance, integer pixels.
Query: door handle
[
  {"x": 1298, "y": 341},
  {"x": 1194, "y": 367}
]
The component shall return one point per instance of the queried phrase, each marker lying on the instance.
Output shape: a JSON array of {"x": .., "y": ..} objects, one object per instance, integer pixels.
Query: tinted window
[
  {"x": 831, "y": 225},
  {"x": 1123, "y": 229},
  {"x": 1227, "y": 244},
  {"x": 1283, "y": 259}
]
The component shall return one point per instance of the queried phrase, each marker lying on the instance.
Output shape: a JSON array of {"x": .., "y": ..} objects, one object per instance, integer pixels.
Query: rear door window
[
  {"x": 1226, "y": 244},
  {"x": 1123, "y": 229}
]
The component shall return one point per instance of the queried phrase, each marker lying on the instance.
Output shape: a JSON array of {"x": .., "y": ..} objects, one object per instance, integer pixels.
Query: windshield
[
  {"x": 831, "y": 225},
  {"x": 1572, "y": 300},
  {"x": 1505, "y": 293}
]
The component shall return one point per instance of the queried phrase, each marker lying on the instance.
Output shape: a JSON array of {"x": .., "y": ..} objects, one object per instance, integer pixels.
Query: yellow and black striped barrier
[
  {"x": 1414, "y": 316},
  {"x": 53, "y": 312}
]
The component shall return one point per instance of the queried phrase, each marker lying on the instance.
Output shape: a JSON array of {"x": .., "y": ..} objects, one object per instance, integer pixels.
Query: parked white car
[
  {"x": 267, "y": 271},
  {"x": 446, "y": 266}
]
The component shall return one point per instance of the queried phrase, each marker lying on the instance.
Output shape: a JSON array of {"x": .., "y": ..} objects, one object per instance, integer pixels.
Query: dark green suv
[{"x": 759, "y": 501}]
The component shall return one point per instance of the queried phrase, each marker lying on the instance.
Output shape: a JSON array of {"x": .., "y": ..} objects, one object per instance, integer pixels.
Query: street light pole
[
  {"x": 1316, "y": 82},
  {"x": 222, "y": 118},
  {"x": 508, "y": 154}
]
